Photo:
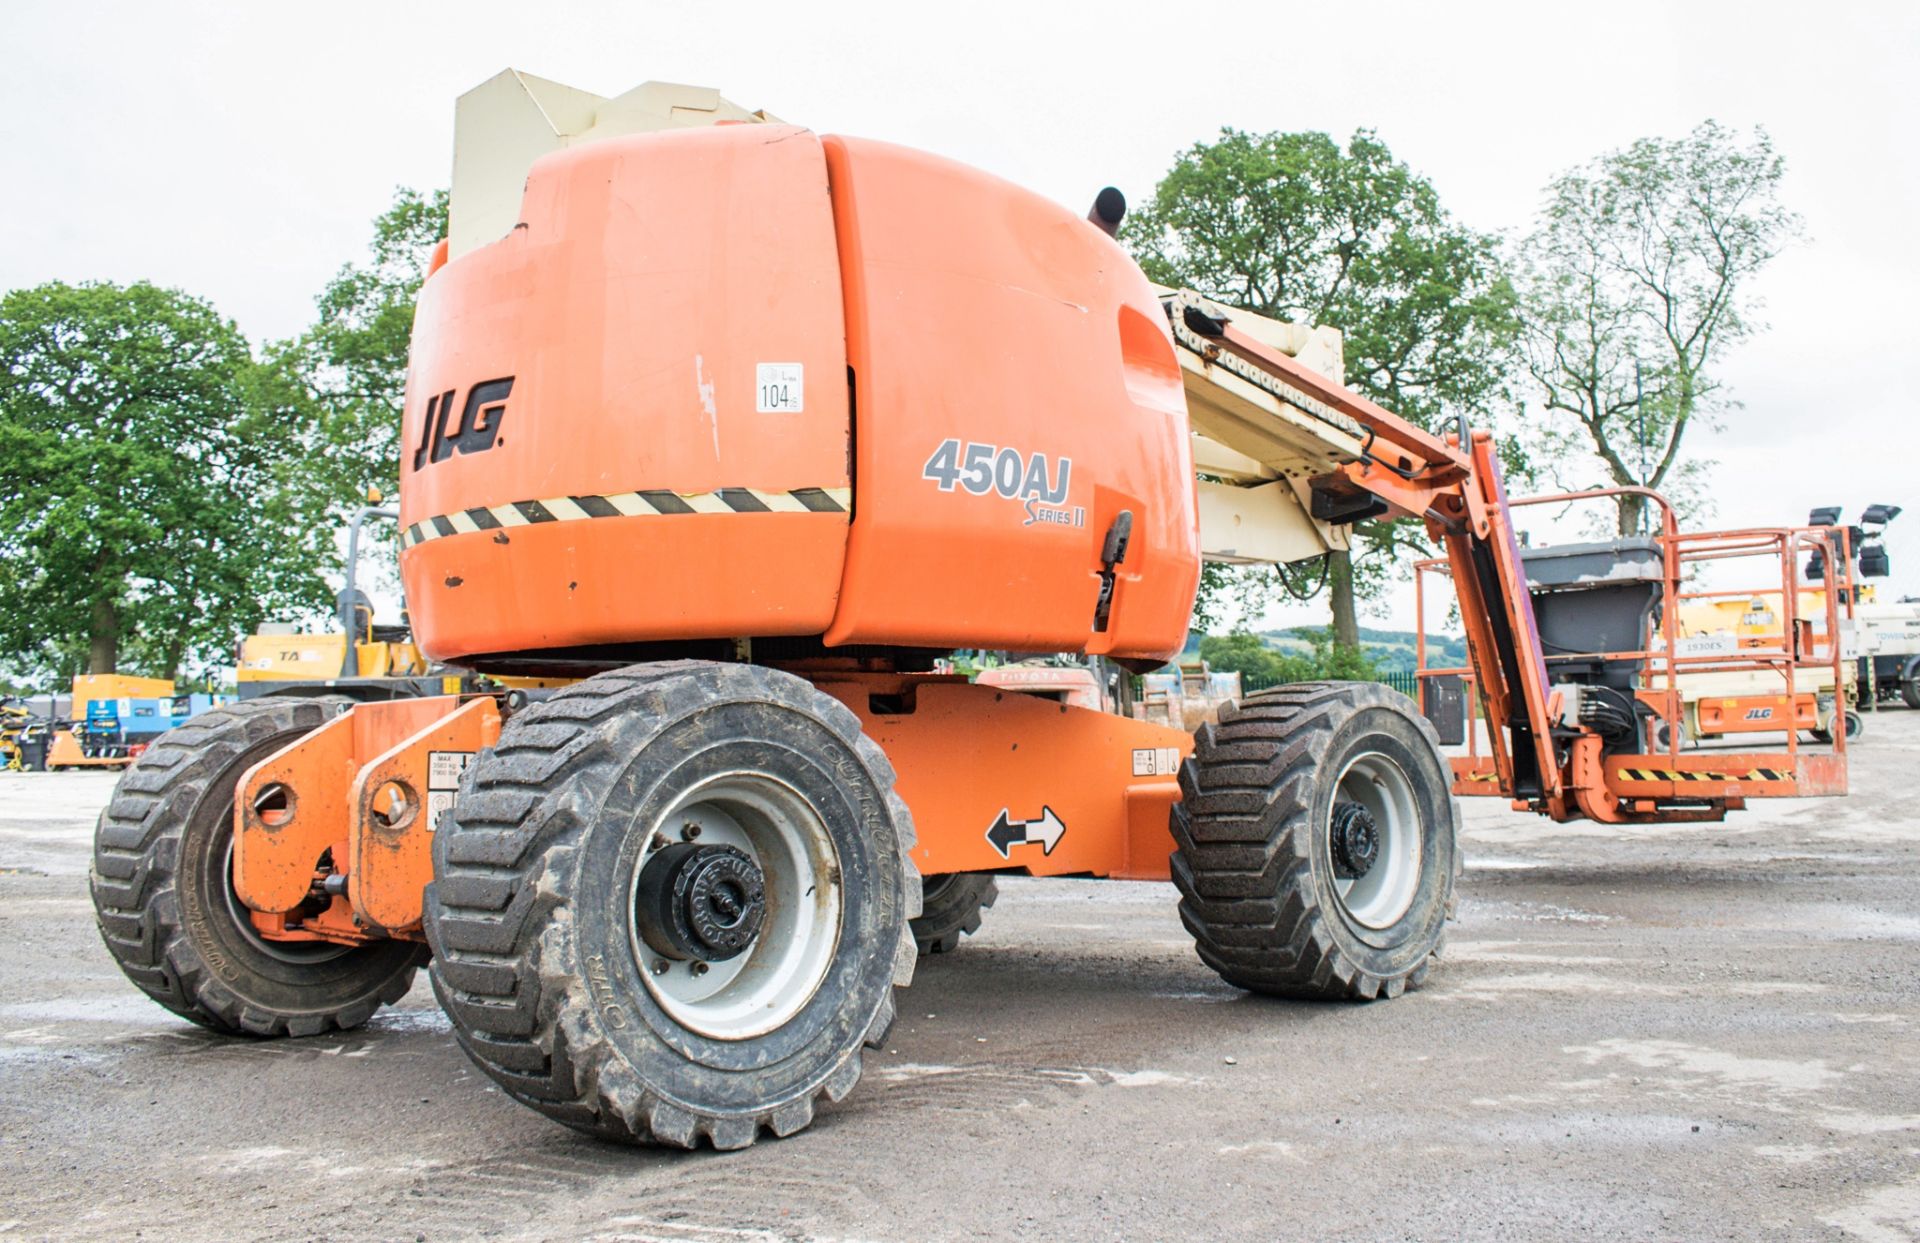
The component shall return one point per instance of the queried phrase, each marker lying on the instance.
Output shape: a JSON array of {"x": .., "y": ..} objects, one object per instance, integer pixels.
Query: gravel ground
[{"x": 1678, "y": 1033}]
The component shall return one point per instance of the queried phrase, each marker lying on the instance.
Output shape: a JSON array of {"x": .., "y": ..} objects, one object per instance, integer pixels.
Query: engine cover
[{"x": 743, "y": 381}]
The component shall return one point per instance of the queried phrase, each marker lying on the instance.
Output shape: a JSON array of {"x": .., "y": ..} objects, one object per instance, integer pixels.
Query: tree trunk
[
  {"x": 1346, "y": 623},
  {"x": 103, "y": 647},
  {"x": 1632, "y": 507}
]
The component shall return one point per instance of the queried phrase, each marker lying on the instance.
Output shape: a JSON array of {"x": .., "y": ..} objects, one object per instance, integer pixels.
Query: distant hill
[{"x": 1392, "y": 650}]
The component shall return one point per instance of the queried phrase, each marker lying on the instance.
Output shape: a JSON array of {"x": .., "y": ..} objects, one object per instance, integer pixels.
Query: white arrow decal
[{"x": 1004, "y": 833}]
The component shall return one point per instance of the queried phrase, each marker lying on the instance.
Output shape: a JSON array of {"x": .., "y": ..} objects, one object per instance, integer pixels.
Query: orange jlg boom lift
[{"x": 740, "y": 427}]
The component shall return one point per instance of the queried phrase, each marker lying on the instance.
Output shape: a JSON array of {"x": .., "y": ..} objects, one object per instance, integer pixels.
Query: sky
[{"x": 240, "y": 151}]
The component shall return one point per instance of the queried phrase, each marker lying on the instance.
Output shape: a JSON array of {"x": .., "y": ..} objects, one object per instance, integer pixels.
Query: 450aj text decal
[{"x": 1005, "y": 471}]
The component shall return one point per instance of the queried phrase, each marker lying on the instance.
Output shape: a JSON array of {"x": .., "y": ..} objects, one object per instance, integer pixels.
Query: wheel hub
[
  {"x": 1356, "y": 841},
  {"x": 704, "y": 903}
]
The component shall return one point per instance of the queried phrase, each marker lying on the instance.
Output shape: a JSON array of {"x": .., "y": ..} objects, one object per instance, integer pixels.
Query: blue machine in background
[
  {"x": 142, "y": 720},
  {"x": 185, "y": 706},
  {"x": 103, "y": 716}
]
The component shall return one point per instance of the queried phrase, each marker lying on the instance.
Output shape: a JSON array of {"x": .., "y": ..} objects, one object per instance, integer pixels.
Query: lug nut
[
  {"x": 690, "y": 831},
  {"x": 699, "y": 968},
  {"x": 659, "y": 966}
]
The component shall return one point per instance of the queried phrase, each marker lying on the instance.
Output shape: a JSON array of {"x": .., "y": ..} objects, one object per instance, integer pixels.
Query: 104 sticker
[{"x": 982, "y": 469}]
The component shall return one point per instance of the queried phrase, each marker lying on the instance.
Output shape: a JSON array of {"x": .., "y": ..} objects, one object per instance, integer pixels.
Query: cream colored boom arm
[{"x": 1253, "y": 450}]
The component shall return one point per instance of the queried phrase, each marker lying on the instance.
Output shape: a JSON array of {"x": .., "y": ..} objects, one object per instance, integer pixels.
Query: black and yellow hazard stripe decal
[
  {"x": 650, "y": 503},
  {"x": 1678, "y": 775}
]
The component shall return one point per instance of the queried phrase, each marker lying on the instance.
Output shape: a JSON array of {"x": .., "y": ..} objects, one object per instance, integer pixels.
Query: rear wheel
[
  {"x": 951, "y": 907},
  {"x": 1855, "y": 726},
  {"x": 1315, "y": 843},
  {"x": 672, "y": 904},
  {"x": 163, "y": 890}
]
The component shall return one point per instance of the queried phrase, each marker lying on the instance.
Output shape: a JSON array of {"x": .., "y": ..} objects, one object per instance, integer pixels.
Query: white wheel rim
[
  {"x": 764, "y": 986},
  {"x": 1381, "y": 897}
]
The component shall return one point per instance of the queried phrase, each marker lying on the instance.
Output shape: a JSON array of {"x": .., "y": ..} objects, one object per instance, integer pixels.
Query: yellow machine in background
[
  {"x": 88, "y": 687},
  {"x": 113, "y": 716},
  {"x": 362, "y": 660},
  {"x": 280, "y": 655},
  {"x": 380, "y": 662},
  {"x": 16, "y": 725}
]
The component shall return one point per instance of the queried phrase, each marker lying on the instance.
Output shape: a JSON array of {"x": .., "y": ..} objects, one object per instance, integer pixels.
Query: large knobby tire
[
  {"x": 163, "y": 891},
  {"x": 555, "y": 983},
  {"x": 1270, "y": 855},
  {"x": 950, "y": 908},
  {"x": 1910, "y": 685}
]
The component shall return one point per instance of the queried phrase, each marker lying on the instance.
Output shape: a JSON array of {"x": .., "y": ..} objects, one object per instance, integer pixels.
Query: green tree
[
  {"x": 1250, "y": 656},
  {"x": 1294, "y": 226},
  {"x": 1337, "y": 661},
  {"x": 154, "y": 500},
  {"x": 1260, "y": 664},
  {"x": 1636, "y": 283},
  {"x": 354, "y": 357}
]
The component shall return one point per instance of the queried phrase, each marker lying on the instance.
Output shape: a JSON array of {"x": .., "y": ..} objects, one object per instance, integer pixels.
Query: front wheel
[
  {"x": 163, "y": 890},
  {"x": 1316, "y": 842},
  {"x": 671, "y": 905}
]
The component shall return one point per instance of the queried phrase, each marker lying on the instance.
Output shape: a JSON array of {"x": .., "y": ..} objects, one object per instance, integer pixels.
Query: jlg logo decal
[
  {"x": 1759, "y": 714},
  {"x": 479, "y": 426}
]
